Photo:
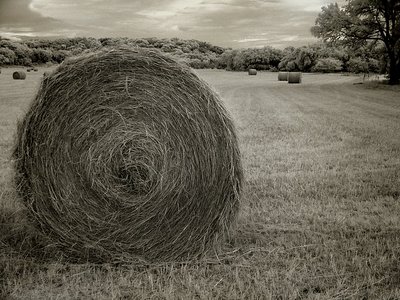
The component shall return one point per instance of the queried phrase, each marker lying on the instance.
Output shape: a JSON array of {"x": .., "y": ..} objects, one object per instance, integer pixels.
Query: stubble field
[{"x": 320, "y": 215}]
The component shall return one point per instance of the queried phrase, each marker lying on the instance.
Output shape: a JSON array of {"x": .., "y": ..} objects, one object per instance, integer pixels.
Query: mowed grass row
[{"x": 320, "y": 214}]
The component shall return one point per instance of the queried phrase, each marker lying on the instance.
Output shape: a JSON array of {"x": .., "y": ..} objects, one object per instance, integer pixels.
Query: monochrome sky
[{"x": 228, "y": 23}]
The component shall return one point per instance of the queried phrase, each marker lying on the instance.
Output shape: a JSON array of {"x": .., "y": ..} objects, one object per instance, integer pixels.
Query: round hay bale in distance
[
  {"x": 294, "y": 77},
  {"x": 28, "y": 70},
  {"x": 19, "y": 75},
  {"x": 252, "y": 72},
  {"x": 127, "y": 154},
  {"x": 35, "y": 69},
  {"x": 283, "y": 76}
]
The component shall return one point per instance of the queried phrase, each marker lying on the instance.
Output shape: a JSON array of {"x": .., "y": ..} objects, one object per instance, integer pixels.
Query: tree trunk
[{"x": 394, "y": 69}]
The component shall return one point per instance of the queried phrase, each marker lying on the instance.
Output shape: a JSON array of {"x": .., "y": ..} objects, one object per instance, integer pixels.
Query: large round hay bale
[
  {"x": 19, "y": 75},
  {"x": 283, "y": 76},
  {"x": 252, "y": 72},
  {"x": 294, "y": 77},
  {"x": 128, "y": 154}
]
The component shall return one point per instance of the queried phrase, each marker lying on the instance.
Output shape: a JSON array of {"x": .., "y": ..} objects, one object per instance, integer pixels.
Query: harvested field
[{"x": 321, "y": 201}]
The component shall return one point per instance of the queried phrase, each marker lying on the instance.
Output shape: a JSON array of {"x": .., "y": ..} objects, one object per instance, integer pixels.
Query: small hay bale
[
  {"x": 294, "y": 77},
  {"x": 19, "y": 75},
  {"x": 283, "y": 76},
  {"x": 127, "y": 154},
  {"x": 28, "y": 70},
  {"x": 35, "y": 69},
  {"x": 252, "y": 72}
]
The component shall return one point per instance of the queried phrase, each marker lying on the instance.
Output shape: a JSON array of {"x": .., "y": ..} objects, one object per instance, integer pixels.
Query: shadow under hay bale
[
  {"x": 127, "y": 154},
  {"x": 252, "y": 72},
  {"x": 283, "y": 76},
  {"x": 19, "y": 75},
  {"x": 294, "y": 77}
]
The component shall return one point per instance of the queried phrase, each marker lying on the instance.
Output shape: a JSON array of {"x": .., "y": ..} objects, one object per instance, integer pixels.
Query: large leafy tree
[{"x": 364, "y": 21}]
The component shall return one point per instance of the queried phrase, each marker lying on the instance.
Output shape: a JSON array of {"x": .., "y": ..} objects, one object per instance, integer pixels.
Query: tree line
[
  {"x": 318, "y": 57},
  {"x": 196, "y": 53},
  {"x": 362, "y": 36}
]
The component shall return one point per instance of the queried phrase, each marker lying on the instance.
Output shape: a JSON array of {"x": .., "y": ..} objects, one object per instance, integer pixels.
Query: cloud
[
  {"x": 18, "y": 19},
  {"x": 232, "y": 23},
  {"x": 247, "y": 40},
  {"x": 245, "y": 23}
]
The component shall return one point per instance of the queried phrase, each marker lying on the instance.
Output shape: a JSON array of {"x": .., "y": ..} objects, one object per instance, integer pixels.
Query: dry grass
[
  {"x": 321, "y": 212},
  {"x": 126, "y": 154}
]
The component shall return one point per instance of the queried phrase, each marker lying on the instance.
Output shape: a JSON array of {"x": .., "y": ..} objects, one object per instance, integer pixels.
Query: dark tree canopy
[{"x": 362, "y": 21}]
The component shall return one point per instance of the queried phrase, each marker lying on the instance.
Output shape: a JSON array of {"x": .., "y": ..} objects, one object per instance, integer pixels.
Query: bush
[
  {"x": 298, "y": 59},
  {"x": 291, "y": 66},
  {"x": 197, "y": 64},
  {"x": 357, "y": 65},
  {"x": 4, "y": 60},
  {"x": 240, "y": 60},
  {"x": 327, "y": 65},
  {"x": 59, "y": 55},
  {"x": 7, "y": 56},
  {"x": 41, "y": 56},
  {"x": 374, "y": 65}
]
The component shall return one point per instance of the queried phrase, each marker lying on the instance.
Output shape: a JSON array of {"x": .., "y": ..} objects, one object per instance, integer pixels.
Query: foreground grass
[{"x": 320, "y": 214}]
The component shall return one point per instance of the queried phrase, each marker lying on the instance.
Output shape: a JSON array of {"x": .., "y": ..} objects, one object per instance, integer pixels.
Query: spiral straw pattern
[{"x": 126, "y": 153}]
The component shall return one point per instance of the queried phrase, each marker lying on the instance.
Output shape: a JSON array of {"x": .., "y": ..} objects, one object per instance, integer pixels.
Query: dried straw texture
[
  {"x": 294, "y": 77},
  {"x": 126, "y": 154},
  {"x": 283, "y": 76},
  {"x": 252, "y": 72},
  {"x": 19, "y": 75}
]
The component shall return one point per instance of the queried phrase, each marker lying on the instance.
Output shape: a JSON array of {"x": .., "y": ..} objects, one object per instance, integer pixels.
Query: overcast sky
[{"x": 228, "y": 23}]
